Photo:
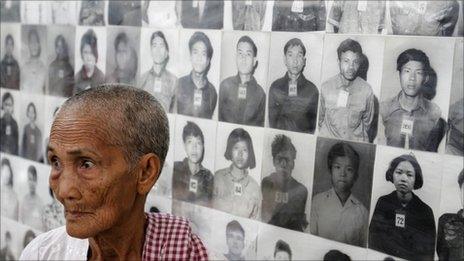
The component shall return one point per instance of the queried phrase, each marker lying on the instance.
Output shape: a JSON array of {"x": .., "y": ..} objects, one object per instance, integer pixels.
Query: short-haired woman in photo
[
  {"x": 9, "y": 200},
  {"x": 191, "y": 181},
  {"x": 126, "y": 61},
  {"x": 89, "y": 75},
  {"x": 31, "y": 147},
  {"x": 9, "y": 136},
  {"x": 235, "y": 191},
  {"x": 61, "y": 72},
  {"x": 402, "y": 224}
]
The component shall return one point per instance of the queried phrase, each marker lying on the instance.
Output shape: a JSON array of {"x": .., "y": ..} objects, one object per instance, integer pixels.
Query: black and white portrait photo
[
  {"x": 9, "y": 198},
  {"x": 293, "y": 91},
  {"x": 416, "y": 84},
  {"x": 32, "y": 204},
  {"x": 351, "y": 84},
  {"x": 199, "y": 68},
  {"x": 357, "y": 17},
  {"x": 61, "y": 61},
  {"x": 299, "y": 16},
  {"x": 192, "y": 178},
  {"x": 201, "y": 14},
  {"x": 122, "y": 54},
  {"x": 455, "y": 135},
  {"x": 248, "y": 15},
  {"x": 405, "y": 196},
  {"x": 242, "y": 99},
  {"x": 10, "y": 11},
  {"x": 159, "y": 66},
  {"x": 238, "y": 170},
  {"x": 286, "y": 179},
  {"x": 63, "y": 12},
  {"x": 31, "y": 124},
  {"x": 342, "y": 191},
  {"x": 14, "y": 237},
  {"x": 10, "y": 37},
  {"x": 90, "y": 58},
  {"x": 92, "y": 12},
  {"x": 9, "y": 131},
  {"x": 159, "y": 13},
  {"x": 125, "y": 12},
  {"x": 450, "y": 235},
  {"x": 34, "y": 56}
]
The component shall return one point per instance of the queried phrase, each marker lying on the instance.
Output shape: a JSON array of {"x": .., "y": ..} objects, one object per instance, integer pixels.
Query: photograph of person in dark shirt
[
  {"x": 9, "y": 67},
  {"x": 159, "y": 81},
  {"x": 450, "y": 237},
  {"x": 282, "y": 251},
  {"x": 241, "y": 99},
  {"x": 202, "y": 14},
  {"x": 9, "y": 135},
  {"x": 92, "y": 12},
  {"x": 284, "y": 198},
  {"x": 299, "y": 16},
  {"x": 196, "y": 96},
  {"x": 61, "y": 72},
  {"x": 10, "y": 11},
  {"x": 411, "y": 120},
  {"x": 191, "y": 181},
  {"x": 31, "y": 146},
  {"x": 235, "y": 239},
  {"x": 357, "y": 17},
  {"x": 248, "y": 15},
  {"x": 125, "y": 13},
  {"x": 402, "y": 224},
  {"x": 5, "y": 252},
  {"x": 89, "y": 75},
  {"x": 293, "y": 99},
  {"x": 125, "y": 61}
]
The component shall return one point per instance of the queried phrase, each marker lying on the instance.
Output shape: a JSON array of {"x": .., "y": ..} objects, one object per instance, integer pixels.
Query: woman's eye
[
  {"x": 86, "y": 164},
  {"x": 55, "y": 163}
]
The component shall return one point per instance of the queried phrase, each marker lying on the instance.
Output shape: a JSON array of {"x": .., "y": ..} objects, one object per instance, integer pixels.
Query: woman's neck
[
  {"x": 409, "y": 103},
  {"x": 158, "y": 67},
  {"x": 89, "y": 71},
  {"x": 238, "y": 173},
  {"x": 404, "y": 197}
]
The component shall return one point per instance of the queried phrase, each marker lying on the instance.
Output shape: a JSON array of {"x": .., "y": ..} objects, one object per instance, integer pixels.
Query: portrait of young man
[
  {"x": 298, "y": 16},
  {"x": 248, "y": 15},
  {"x": 201, "y": 14},
  {"x": 241, "y": 99},
  {"x": 235, "y": 239},
  {"x": 347, "y": 102},
  {"x": 357, "y": 17},
  {"x": 9, "y": 132},
  {"x": 102, "y": 176},
  {"x": 293, "y": 99}
]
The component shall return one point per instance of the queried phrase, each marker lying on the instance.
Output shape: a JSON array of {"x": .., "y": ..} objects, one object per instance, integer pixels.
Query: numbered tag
[
  {"x": 61, "y": 74},
  {"x": 238, "y": 189},
  {"x": 195, "y": 3},
  {"x": 8, "y": 70},
  {"x": 407, "y": 125},
  {"x": 292, "y": 89},
  {"x": 8, "y": 130},
  {"x": 362, "y": 5},
  {"x": 248, "y": 2},
  {"x": 197, "y": 98},
  {"x": 400, "y": 220},
  {"x": 297, "y": 6},
  {"x": 32, "y": 139},
  {"x": 242, "y": 91},
  {"x": 193, "y": 185},
  {"x": 157, "y": 85},
  {"x": 422, "y": 7},
  {"x": 281, "y": 197},
  {"x": 342, "y": 100}
]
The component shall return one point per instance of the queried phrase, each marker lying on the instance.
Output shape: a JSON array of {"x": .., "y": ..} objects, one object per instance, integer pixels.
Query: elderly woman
[
  {"x": 191, "y": 181},
  {"x": 102, "y": 175},
  {"x": 9, "y": 199},
  {"x": 235, "y": 191},
  {"x": 32, "y": 136},
  {"x": 402, "y": 224}
]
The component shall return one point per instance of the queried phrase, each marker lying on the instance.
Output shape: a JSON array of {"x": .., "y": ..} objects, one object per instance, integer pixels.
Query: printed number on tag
[
  {"x": 32, "y": 138},
  {"x": 248, "y": 2},
  {"x": 197, "y": 97},
  {"x": 61, "y": 74},
  {"x": 292, "y": 90},
  {"x": 281, "y": 197},
  {"x": 406, "y": 126},
  {"x": 157, "y": 85},
  {"x": 297, "y": 6},
  {"x": 400, "y": 220},
  {"x": 422, "y": 7},
  {"x": 238, "y": 189},
  {"x": 8, "y": 130},
  {"x": 193, "y": 186},
  {"x": 342, "y": 100},
  {"x": 362, "y": 5},
  {"x": 242, "y": 91}
]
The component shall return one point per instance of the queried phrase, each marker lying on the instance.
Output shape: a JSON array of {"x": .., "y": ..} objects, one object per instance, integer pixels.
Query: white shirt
[{"x": 56, "y": 244}]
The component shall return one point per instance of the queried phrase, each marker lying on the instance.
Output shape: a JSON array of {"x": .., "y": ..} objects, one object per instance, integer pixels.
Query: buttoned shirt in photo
[
  {"x": 31, "y": 145},
  {"x": 425, "y": 122},
  {"x": 33, "y": 76},
  {"x": 245, "y": 204},
  {"x": 165, "y": 92},
  {"x": 431, "y": 18},
  {"x": 455, "y": 143},
  {"x": 346, "y": 118},
  {"x": 299, "y": 16},
  {"x": 9, "y": 135},
  {"x": 204, "y": 14},
  {"x": 352, "y": 17},
  {"x": 293, "y": 111},
  {"x": 9, "y": 73},
  {"x": 248, "y": 15},
  {"x": 186, "y": 93},
  {"x": 235, "y": 108},
  {"x": 83, "y": 82},
  {"x": 344, "y": 223}
]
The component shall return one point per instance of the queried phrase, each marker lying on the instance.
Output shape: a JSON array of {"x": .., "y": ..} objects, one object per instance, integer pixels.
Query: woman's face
[
  {"x": 343, "y": 173},
  {"x": 194, "y": 149},
  {"x": 412, "y": 77},
  {"x": 34, "y": 45},
  {"x": 6, "y": 175},
  {"x": 88, "y": 58},
  {"x": 159, "y": 50},
  {"x": 123, "y": 55},
  {"x": 240, "y": 154},
  {"x": 31, "y": 113},
  {"x": 199, "y": 57},
  {"x": 60, "y": 48},
  {"x": 404, "y": 177}
]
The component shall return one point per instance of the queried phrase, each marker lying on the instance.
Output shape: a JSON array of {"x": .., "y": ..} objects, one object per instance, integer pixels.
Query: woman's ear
[{"x": 150, "y": 169}]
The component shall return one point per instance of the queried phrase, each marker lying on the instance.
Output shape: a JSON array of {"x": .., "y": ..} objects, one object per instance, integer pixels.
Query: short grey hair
[{"x": 144, "y": 121}]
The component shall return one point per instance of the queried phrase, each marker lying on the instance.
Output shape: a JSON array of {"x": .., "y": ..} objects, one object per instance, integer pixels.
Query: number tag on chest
[
  {"x": 193, "y": 185},
  {"x": 407, "y": 125},
  {"x": 292, "y": 89},
  {"x": 297, "y": 6},
  {"x": 342, "y": 100},
  {"x": 400, "y": 220},
  {"x": 157, "y": 85},
  {"x": 242, "y": 92},
  {"x": 362, "y": 5},
  {"x": 8, "y": 70},
  {"x": 248, "y": 2},
  {"x": 8, "y": 130},
  {"x": 32, "y": 139},
  {"x": 197, "y": 98},
  {"x": 238, "y": 189},
  {"x": 281, "y": 197},
  {"x": 61, "y": 74}
]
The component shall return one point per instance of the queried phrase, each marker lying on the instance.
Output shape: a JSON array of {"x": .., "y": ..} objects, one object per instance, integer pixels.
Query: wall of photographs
[{"x": 285, "y": 109}]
